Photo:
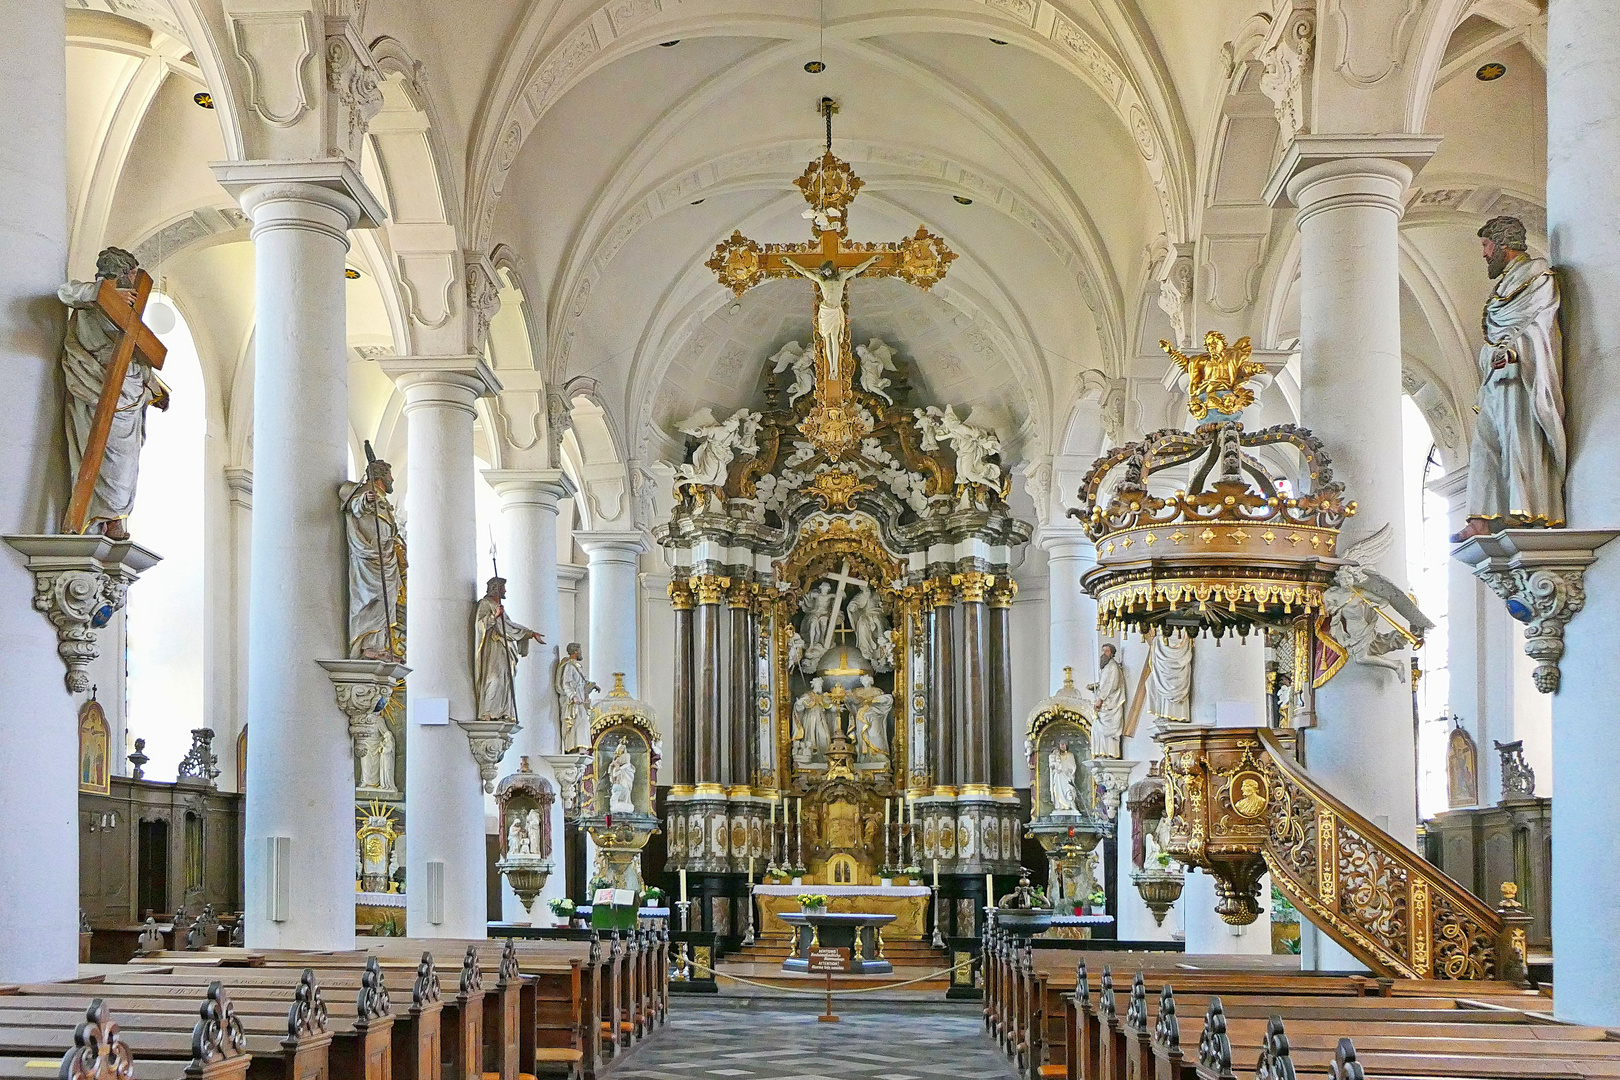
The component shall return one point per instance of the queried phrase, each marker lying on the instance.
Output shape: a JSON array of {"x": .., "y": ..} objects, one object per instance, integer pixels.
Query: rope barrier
[{"x": 822, "y": 992}]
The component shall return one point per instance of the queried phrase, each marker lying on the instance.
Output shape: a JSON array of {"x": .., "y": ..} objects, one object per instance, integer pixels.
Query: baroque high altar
[{"x": 842, "y": 603}]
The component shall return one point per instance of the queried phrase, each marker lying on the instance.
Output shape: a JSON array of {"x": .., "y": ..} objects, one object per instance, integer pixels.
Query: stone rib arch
[{"x": 533, "y": 76}]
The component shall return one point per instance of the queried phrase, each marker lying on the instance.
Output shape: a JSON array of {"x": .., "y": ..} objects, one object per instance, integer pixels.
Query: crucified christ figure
[{"x": 829, "y": 282}]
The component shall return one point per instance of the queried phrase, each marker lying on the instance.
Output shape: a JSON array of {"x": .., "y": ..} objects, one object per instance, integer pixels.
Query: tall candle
[
  {"x": 773, "y": 810},
  {"x": 990, "y": 890},
  {"x": 750, "y": 870},
  {"x": 887, "y": 807},
  {"x": 936, "y": 875},
  {"x": 683, "y": 884}
]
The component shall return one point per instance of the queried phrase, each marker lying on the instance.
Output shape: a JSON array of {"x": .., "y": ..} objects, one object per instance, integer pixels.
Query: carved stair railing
[{"x": 1241, "y": 804}]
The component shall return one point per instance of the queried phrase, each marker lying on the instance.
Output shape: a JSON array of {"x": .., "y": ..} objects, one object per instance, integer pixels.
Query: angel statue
[
  {"x": 1357, "y": 600},
  {"x": 974, "y": 447},
  {"x": 1217, "y": 376},
  {"x": 803, "y": 362},
  {"x": 795, "y": 648},
  {"x": 876, "y": 358},
  {"x": 871, "y": 628},
  {"x": 718, "y": 443}
]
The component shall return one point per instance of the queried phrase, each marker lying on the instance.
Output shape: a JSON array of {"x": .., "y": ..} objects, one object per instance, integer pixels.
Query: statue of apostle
[
  {"x": 376, "y": 564},
  {"x": 88, "y": 349},
  {"x": 873, "y": 706},
  {"x": 1516, "y": 463},
  {"x": 574, "y": 699},
  {"x": 500, "y": 642},
  {"x": 1108, "y": 728},
  {"x": 811, "y": 733},
  {"x": 1170, "y": 659}
]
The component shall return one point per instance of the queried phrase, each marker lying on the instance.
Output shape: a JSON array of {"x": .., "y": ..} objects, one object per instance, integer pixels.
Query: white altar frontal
[{"x": 907, "y": 903}]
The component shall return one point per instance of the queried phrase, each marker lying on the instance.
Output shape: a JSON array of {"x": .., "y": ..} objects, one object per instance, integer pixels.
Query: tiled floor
[{"x": 789, "y": 1044}]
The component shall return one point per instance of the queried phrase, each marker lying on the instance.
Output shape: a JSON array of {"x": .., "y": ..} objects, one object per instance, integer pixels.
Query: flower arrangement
[
  {"x": 912, "y": 871},
  {"x": 1163, "y": 859},
  {"x": 561, "y": 907},
  {"x": 1097, "y": 899},
  {"x": 654, "y": 897},
  {"x": 601, "y": 883},
  {"x": 811, "y": 901}
]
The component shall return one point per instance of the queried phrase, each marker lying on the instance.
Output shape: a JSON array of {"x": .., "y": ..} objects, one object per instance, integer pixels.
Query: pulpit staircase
[{"x": 1242, "y": 805}]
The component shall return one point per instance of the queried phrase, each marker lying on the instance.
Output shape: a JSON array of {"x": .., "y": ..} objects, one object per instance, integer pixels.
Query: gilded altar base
[{"x": 910, "y": 912}]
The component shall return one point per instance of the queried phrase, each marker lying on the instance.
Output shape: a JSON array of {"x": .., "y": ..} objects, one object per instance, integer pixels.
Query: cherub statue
[
  {"x": 1356, "y": 601},
  {"x": 803, "y": 362},
  {"x": 1217, "y": 376},
  {"x": 876, "y": 358}
]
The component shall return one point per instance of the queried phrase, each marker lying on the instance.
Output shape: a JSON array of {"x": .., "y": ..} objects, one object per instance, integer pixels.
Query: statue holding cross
[{"x": 109, "y": 362}]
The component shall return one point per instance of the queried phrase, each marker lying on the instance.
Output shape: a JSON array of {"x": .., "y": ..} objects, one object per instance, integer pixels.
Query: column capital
[
  {"x": 1066, "y": 542},
  {"x": 612, "y": 546},
  {"x": 1317, "y": 171},
  {"x": 239, "y": 481},
  {"x": 540, "y": 487},
  {"x": 445, "y": 381},
  {"x": 252, "y": 183}
]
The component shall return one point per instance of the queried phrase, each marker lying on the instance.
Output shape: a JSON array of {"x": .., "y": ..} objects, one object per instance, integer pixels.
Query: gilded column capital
[
  {"x": 680, "y": 594},
  {"x": 939, "y": 592},
  {"x": 740, "y": 594},
  {"x": 709, "y": 587},
  {"x": 973, "y": 584},
  {"x": 1001, "y": 596}
]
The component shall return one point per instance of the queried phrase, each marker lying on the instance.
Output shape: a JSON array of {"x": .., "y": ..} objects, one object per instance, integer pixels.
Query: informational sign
[{"x": 829, "y": 960}]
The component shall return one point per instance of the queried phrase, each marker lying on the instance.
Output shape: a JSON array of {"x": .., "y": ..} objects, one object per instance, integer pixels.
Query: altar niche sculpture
[
  {"x": 1517, "y": 460},
  {"x": 524, "y": 800},
  {"x": 624, "y": 766},
  {"x": 110, "y": 361},
  {"x": 1063, "y": 814},
  {"x": 376, "y": 564}
]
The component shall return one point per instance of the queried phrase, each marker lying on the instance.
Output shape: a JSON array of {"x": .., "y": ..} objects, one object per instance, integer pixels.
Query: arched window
[
  {"x": 164, "y": 640},
  {"x": 1428, "y": 555}
]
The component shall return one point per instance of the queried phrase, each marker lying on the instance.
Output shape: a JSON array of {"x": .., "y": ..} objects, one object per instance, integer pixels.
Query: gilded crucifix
[{"x": 830, "y": 262}]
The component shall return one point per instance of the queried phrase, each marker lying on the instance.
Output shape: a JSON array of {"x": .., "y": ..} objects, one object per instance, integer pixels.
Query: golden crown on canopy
[{"x": 1237, "y": 548}]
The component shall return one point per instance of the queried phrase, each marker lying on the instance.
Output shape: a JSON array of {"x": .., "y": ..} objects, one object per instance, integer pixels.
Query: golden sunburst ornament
[{"x": 1490, "y": 72}]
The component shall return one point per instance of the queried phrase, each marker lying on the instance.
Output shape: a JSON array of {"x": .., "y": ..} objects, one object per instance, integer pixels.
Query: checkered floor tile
[{"x": 789, "y": 1044}]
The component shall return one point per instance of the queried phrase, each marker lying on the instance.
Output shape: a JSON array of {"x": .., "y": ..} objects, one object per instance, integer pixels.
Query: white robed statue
[
  {"x": 873, "y": 706},
  {"x": 876, "y": 356},
  {"x": 574, "y": 699},
  {"x": 1169, "y": 689},
  {"x": 376, "y": 573},
  {"x": 1108, "y": 729},
  {"x": 1061, "y": 768},
  {"x": 88, "y": 349},
  {"x": 811, "y": 732},
  {"x": 803, "y": 362},
  {"x": 1516, "y": 464},
  {"x": 718, "y": 443},
  {"x": 816, "y": 629},
  {"x": 500, "y": 643},
  {"x": 622, "y": 781},
  {"x": 871, "y": 628},
  {"x": 830, "y": 322}
]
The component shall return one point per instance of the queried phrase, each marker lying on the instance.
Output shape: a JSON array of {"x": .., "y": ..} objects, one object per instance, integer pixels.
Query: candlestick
[{"x": 683, "y": 884}]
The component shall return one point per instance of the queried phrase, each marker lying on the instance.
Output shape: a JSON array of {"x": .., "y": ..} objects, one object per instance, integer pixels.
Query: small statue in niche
[
  {"x": 811, "y": 732},
  {"x": 517, "y": 838},
  {"x": 803, "y": 362},
  {"x": 1061, "y": 767},
  {"x": 621, "y": 781},
  {"x": 500, "y": 644},
  {"x": 1108, "y": 729},
  {"x": 873, "y": 706},
  {"x": 1517, "y": 459}
]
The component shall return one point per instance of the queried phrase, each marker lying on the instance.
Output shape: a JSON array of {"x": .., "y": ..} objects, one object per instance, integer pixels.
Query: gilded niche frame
[{"x": 821, "y": 550}]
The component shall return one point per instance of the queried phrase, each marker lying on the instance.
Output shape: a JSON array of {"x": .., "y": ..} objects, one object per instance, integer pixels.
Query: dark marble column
[
  {"x": 739, "y": 694},
  {"x": 683, "y": 773},
  {"x": 976, "y": 664},
  {"x": 707, "y": 689},
  {"x": 942, "y": 678},
  {"x": 1001, "y": 720}
]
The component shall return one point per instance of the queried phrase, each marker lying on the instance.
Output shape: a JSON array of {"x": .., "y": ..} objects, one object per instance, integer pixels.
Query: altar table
[{"x": 907, "y": 903}]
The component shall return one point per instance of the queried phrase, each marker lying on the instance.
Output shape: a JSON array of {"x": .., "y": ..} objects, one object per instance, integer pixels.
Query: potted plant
[
  {"x": 908, "y": 875},
  {"x": 561, "y": 908},
  {"x": 1160, "y": 885},
  {"x": 1097, "y": 902},
  {"x": 654, "y": 897},
  {"x": 813, "y": 903}
]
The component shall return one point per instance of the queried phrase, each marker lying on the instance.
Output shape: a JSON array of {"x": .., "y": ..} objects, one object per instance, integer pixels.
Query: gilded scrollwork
[{"x": 1373, "y": 891}]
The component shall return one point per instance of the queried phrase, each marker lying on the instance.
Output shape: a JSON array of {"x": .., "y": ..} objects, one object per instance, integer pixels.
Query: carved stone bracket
[
  {"x": 1541, "y": 575},
  {"x": 80, "y": 582},
  {"x": 1113, "y": 776},
  {"x": 569, "y": 770},
  {"x": 363, "y": 689},
  {"x": 489, "y": 741}
]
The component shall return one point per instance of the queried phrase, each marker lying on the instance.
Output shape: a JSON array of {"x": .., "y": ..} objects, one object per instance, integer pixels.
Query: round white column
[
  {"x": 614, "y": 558},
  {"x": 300, "y": 770},
  {"x": 1583, "y": 226},
  {"x": 529, "y": 513},
  {"x": 1073, "y": 638},
  {"x": 444, "y": 796},
  {"x": 1350, "y": 340},
  {"x": 39, "y": 816}
]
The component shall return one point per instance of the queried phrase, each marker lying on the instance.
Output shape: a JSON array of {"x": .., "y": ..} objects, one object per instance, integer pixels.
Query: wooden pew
[{"x": 215, "y": 1048}]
